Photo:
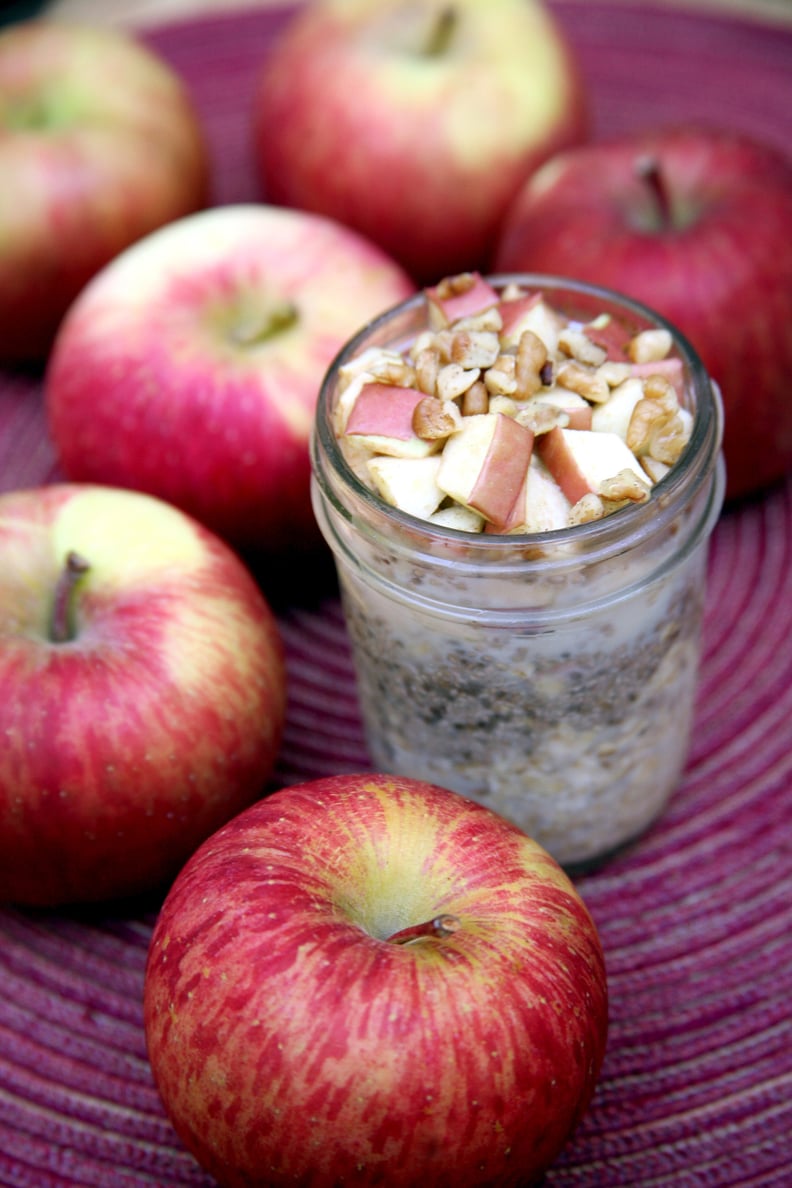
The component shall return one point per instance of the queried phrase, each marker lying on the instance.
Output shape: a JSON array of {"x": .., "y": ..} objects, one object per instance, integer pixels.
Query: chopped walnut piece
[
  {"x": 489, "y": 319},
  {"x": 393, "y": 371},
  {"x": 541, "y": 418},
  {"x": 474, "y": 348},
  {"x": 424, "y": 341},
  {"x": 427, "y": 369},
  {"x": 367, "y": 361},
  {"x": 668, "y": 441},
  {"x": 589, "y": 507},
  {"x": 649, "y": 346},
  {"x": 576, "y": 345},
  {"x": 434, "y": 419},
  {"x": 453, "y": 380},
  {"x": 475, "y": 400},
  {"x": 587, "y": 384},
  {"x": 656, "y": 387},
  {"x": 443, "y": 342},
  {"x": 530, "y": 359},
  {"x": 625, "y": 485},
  {"x": 500, "y": 378},
  {"x": 505, "y": 405},
  {"x": 614, "y": 373},
  {"x": 647, "y": 418},
  {"x": 454, "y": 286}
]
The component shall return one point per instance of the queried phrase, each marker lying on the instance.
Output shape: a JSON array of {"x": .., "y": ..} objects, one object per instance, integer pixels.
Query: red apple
[
  {"x": 99, "y": 144},
  {"x": 416, "y": 121},
  {"x": 141, "y": 692},
  {"x": 190, "y": 366},
  {"x": 370, "y": 980},
  {"x": 696, "y": 223}
]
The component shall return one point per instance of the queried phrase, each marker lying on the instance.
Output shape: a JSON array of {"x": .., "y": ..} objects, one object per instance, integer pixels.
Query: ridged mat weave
[{"x": 696, "y": 919}]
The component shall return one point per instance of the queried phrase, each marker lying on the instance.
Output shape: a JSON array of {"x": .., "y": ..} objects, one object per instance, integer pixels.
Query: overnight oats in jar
[{"x": 518, "y": 477}]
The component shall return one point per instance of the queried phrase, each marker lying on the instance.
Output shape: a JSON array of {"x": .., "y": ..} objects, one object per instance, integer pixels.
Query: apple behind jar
[
  {"x": 99, "y": 144},
  {"x": 189, "y": 368},
  {"x": 414, "y": 122},
  {"x": 696, "y": 223}
]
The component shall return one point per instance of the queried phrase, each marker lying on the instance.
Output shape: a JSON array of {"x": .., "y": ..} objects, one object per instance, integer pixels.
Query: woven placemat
[{"x": 696, "y": 918}]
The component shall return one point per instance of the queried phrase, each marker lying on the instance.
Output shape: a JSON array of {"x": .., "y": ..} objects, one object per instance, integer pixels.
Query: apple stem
[
  {"x": 253, "y": 331},
  {"x": 62, "y": 627},
  {"x": 442, "y": 32},
  {"x": 440, "y": 926},
  {"x": 647, "y": 169}
]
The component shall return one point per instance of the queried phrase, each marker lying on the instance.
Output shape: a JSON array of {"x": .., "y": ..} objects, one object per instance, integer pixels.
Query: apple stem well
[
  {"x": 441, "y": 33},
  {"x": 62, "y": 625},
  {"x": 647, "y": 170},
  {"x": 259, "y": 328},
  {"x": 440, "y": 926}
]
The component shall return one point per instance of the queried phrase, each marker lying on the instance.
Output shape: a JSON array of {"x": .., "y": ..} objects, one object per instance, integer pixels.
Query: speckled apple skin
[
  {"x": 161, "y": 379},
  {"x": 126, "y": 745},
  {"x": 292, "y": 1043}
]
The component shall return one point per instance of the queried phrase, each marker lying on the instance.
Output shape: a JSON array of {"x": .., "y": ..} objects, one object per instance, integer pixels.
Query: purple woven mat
[{"x": 696, "y": 919}]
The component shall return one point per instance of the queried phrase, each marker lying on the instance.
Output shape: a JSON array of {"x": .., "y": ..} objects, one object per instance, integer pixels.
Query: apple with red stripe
[
  {"x": 370, "y": 980},
  {"x": 190, "y": 366},
  {"x": 100, "y": 143},
  {"x": 142, "y": 692},
  {"x": 695, "y": 222},
  {"x": 415, "y": 121}
]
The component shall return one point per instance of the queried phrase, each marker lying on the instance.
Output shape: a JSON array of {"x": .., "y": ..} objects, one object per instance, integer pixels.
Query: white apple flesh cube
[
  {"x": 546, "y": 506},
  {"x": 615, "y": 414},
  {"x": 530, "y": 313},
  {"x": 580, "y": 460},
  {"x": 461, "y": 519},
  {"x": 484, "y": 465},
  {"x": 409, "y": 484},
  {"x": 576, "y": 408},
  {"x": 541, "y": 505},
  {"x": 669, "y": 369},
  {"x": 382, "y": 417}
]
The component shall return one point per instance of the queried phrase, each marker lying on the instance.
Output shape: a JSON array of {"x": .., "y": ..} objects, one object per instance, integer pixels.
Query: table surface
[{"x": 696, "y": 919}]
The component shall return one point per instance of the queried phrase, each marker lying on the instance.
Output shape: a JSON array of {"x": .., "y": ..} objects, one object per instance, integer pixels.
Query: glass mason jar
[{"x": 551, "y": 676}]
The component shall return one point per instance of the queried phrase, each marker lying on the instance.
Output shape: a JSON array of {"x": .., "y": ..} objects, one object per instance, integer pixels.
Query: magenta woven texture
[{"x": 696, "y": 918}]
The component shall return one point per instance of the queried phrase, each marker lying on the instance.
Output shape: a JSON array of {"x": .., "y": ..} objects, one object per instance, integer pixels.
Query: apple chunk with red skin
[
  {"x": 696, "y": 223},
  {"x": 580, "y": 460},
  {"x": 367, "y": 979},
  {"x": 142, "y": 692},
  {"x": 416, "y": 122},
  {"x": 190, "y": 366},
  {"x": 484, "y": 465},
  {"x": 99, "y": 145}
]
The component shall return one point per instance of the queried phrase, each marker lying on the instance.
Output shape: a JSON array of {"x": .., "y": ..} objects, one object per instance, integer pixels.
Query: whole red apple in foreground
[
  {"x": 416, "y": 121},
  {"x": 99, "y": 144},
  {"x": 370, "y": 980},
  {"x": 696, "y": 223},
  {"x": 190, "y": 367},
  {"x": 142, "y": 692}
]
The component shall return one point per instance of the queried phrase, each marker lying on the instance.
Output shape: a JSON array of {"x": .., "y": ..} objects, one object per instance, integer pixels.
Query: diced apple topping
[
  {"x": 505, "y": 416},
  {"x": 382, "y": 419},
  {"x": 458, "y": 297},
  {"x": 483, "y": 467},
  {"x": 408, "y": 483}
]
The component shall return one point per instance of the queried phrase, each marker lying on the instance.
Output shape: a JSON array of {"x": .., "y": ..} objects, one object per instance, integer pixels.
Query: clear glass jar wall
[{"x": 550, "y": 676}]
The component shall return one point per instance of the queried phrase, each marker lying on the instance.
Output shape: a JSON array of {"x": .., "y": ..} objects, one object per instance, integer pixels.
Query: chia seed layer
[{"x": 579, "y": 736}]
